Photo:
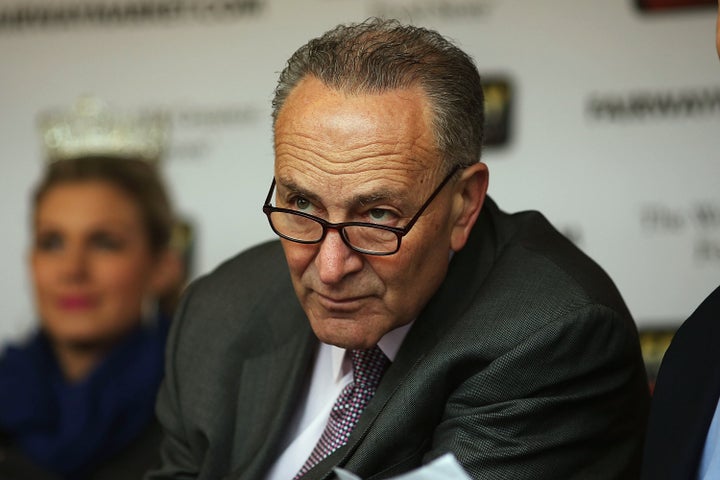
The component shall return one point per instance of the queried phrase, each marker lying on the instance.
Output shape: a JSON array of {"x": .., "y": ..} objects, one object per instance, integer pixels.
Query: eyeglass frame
[{"x": 399, "y": 232}]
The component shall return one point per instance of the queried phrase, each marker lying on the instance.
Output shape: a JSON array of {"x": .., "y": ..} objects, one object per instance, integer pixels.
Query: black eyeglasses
[{"x": 362, "y": 237}]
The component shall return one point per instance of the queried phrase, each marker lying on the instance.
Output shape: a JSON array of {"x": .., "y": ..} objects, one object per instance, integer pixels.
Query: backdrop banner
[{"x": 605, "y": 116}]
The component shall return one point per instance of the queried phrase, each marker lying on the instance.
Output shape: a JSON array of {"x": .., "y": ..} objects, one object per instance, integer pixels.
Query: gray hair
[{"x": 381, "y": 55}]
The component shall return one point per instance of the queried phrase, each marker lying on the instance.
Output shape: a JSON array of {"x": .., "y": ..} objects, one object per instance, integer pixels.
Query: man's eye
[
  {"x": 380, "y": 215},
  {"x": 302, "y": 203}
]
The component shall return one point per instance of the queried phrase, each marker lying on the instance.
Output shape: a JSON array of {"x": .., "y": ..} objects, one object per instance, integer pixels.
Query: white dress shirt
[{"x": 331, "y": 374}]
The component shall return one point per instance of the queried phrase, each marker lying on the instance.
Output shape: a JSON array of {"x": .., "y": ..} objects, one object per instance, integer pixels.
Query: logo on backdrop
[
  {"x": 120, "y": 13},
  {"x": 196, "y": 130},
  {"x": 700, "y": 220},
  {"x": 647, "y": 105},
  {"x": 498, "y": 108},
  {"x": 664, "y": 5},
  {"x": 423, "y": 10}
]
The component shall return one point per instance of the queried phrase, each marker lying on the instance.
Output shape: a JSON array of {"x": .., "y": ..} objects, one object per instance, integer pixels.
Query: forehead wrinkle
[{"x": 290, "y": 150}]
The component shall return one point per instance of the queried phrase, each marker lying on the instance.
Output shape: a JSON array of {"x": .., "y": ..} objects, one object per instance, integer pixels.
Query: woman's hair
[
  {"x": 138, "y": 178},
  {"x": 382, "y": 55}
]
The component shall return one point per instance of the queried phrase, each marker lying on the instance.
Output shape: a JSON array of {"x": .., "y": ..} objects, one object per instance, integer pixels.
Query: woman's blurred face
[{"x": 91, "y": 262}]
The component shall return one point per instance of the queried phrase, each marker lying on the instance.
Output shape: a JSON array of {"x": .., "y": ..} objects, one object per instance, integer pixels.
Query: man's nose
[{"x": 335, "y": 259}]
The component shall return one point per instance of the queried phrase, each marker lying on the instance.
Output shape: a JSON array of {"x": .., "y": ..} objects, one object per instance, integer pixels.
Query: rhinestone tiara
[{"x": 89, "y": 127}]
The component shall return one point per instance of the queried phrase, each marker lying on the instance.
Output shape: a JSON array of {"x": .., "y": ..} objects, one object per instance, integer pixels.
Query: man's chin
[{"x": 345, "y": 333}]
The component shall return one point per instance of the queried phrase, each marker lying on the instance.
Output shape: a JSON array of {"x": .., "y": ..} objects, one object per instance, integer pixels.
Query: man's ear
[{"x": 469, "y": 196}]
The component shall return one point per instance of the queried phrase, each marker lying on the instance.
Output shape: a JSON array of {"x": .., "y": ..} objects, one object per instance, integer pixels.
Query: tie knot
[{"x": 368, "y": 366}]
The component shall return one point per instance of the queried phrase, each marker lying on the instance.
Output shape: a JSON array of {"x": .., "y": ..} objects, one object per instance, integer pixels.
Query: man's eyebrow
[
  {"x": 382, "y": 195},
  {"x": 296, "y": 189},
  {"x": 363, "y": 199}
]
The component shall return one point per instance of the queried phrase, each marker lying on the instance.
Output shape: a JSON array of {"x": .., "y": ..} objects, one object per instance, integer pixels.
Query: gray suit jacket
[{"x": 525, "y": 364}]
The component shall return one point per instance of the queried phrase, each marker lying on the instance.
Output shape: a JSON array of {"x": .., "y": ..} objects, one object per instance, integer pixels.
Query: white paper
[{"x": 445, "y": 467}]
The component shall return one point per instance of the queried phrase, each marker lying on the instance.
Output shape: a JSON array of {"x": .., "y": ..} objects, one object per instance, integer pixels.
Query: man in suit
[
  {"x": 494, "y": 338},
  {"x": 683, "y": 437},
  {"x": 683, "y": 433}
]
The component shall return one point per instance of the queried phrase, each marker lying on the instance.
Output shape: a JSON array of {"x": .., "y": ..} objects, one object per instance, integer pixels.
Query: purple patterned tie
[{"x": 368, "y": 367}]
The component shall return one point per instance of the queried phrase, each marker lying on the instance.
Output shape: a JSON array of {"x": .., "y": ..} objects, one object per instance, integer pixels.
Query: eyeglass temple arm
[
  {"x": 270, "y": 192},
  {"x": 437, "y": 191}
]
